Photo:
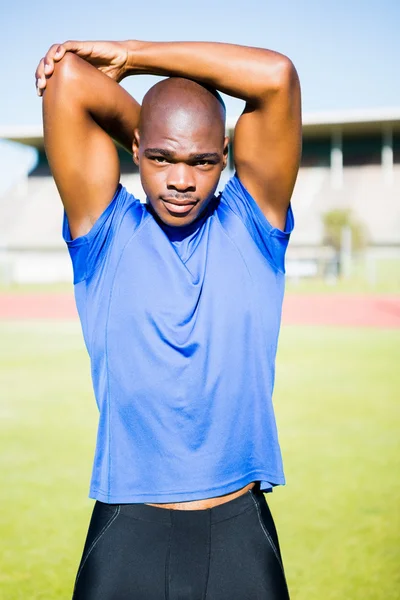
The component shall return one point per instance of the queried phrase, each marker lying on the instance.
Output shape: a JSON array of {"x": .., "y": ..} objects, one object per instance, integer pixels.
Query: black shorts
[{"x": 141, "y": 552}]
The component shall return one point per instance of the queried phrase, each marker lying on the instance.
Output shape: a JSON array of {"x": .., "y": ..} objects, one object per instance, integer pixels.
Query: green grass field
[{"x": 337, "y": 407}]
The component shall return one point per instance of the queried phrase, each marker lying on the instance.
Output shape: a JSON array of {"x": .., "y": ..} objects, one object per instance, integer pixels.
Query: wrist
[{"x": 135, "y": 55}]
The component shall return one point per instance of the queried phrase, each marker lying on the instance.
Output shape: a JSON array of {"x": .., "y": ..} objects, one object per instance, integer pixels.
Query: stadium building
[{"x": 351, "y": 160}]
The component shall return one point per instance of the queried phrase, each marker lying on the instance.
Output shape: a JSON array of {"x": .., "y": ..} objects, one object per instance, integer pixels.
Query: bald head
[
  {"x": 182, "y": 100},
  {"x": 180, "y": 148}
]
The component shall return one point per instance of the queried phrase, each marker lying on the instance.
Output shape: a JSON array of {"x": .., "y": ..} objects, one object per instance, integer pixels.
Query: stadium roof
[{"x": 314, "y": 124}]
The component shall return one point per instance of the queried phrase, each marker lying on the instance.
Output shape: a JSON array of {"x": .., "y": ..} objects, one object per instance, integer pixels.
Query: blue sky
[{"x": 347, "y": 52}]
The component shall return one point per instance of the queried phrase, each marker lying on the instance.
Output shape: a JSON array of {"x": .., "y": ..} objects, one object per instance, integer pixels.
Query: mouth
[{"x": 178, "y": 207}]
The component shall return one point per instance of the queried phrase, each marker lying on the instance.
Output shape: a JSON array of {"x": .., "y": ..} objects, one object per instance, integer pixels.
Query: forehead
[{"x": 183, "y": 129}]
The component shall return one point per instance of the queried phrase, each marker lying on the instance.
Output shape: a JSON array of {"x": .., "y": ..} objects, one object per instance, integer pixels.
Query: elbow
[
  {"x": 281, "y": 76},
  {"x": 66, "y": 72}
]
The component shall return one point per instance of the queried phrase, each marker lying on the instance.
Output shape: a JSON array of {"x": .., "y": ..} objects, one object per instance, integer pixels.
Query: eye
[
  {"x": 204, "y": 163},
  {"x": 159, "y": 159}
]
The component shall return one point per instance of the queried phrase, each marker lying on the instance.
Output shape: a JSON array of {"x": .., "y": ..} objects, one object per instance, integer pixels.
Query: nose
[{"x": 181, "y": 178}]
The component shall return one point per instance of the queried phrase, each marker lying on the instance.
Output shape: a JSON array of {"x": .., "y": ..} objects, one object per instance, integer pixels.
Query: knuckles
[{"x": 65, "y": 66}]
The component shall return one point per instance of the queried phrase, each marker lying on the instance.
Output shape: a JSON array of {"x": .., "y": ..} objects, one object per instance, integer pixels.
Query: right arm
[{"x": 83, "y": 109}]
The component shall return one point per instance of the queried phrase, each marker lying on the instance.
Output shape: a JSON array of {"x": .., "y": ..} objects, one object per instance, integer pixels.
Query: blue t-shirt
[{"x": 181, "y": 325}]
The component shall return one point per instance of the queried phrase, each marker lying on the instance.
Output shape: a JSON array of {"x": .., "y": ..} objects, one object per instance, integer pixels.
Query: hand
[{"x": 108, "y": 57}]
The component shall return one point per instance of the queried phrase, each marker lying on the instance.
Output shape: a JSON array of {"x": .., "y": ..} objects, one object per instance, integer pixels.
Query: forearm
[
  {"x": 240, "y": 71},
  {"x": 83, "y": 88}
]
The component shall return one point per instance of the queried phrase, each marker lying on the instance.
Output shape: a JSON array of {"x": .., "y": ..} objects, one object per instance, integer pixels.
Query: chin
[{"x": 177, "y": 219}]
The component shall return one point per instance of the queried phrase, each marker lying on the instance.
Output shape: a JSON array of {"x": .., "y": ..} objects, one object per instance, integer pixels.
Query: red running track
[
  {"x": 342, "y": 310},
  {"x": 381, "y": 311}
]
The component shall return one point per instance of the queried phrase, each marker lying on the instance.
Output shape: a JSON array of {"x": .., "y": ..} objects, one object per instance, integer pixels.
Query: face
[{"x": 180, "y": 158}]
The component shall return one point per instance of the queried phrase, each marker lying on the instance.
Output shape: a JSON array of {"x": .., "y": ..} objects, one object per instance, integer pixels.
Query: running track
[{"x": 382, "y": 311}]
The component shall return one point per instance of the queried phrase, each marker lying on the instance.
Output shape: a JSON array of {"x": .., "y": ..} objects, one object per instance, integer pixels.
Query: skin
[
  {"x": 181, "y": 149},
  {"x": 179, "y": 123}
]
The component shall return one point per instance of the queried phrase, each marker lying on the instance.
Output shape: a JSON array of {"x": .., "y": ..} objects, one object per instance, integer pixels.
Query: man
[{"x": 180, "y": 301}]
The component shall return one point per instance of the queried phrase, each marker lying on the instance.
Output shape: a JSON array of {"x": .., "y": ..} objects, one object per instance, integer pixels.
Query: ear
[
  {"x": 225, "y": 153},
  {"x": 135, "y": 146}
]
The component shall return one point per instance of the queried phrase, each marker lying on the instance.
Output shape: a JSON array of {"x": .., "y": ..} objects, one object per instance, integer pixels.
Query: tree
[{"x": 335, "y": 221}]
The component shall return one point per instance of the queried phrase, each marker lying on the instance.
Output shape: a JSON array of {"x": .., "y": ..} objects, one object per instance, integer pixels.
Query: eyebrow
[{"x": 194, "y": 156}]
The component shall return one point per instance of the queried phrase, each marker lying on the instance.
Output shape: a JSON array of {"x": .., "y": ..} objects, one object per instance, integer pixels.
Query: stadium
[
  {"x": 337, "y": 373},
  {"x": 350, "y": 162}
]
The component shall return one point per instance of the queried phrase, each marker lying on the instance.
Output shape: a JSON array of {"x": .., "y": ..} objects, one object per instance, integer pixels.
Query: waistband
[{"x": 222, "y": 512}]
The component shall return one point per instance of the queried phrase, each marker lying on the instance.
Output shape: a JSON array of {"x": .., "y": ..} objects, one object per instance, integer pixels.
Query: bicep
[
  {"x": 267, "y": 147},
  {"x": 84, "y": 163}
]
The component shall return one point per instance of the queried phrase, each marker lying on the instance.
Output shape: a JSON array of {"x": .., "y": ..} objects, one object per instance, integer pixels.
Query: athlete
[{"x": 180, "y": 304}]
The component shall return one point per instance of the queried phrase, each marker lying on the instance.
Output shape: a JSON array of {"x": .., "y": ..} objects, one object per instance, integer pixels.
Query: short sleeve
[
  {"x": 271, "y": 241},
  {"x": 87, "y": 251}
]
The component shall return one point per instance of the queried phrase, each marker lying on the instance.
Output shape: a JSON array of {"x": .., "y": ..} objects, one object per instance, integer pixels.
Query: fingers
[
  {"x": 56, "y": 52},
  {"x": 71, "y": 46},
  {"x": 46, "y": 66},
  {"x": 40, "y": 78}
]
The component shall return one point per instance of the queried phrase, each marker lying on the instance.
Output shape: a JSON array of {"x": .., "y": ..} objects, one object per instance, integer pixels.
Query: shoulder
[
  {"x": 237, "y": 198},
  {"x": 117, "y": 223},
  {"x": 121, "y": 203},
  {"x": 239, "y": 211}
]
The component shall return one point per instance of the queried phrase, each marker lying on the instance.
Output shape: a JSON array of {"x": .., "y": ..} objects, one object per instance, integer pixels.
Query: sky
[{"x": 346, "y": 52}]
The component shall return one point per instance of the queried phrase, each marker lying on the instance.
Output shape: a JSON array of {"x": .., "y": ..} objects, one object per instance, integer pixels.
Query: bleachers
[
  {"x": 372, "y": 202},
  {"x": 31, "y": 213},
  {"x": 307, "y": 206},
  {"x": 31, "y": 216}
]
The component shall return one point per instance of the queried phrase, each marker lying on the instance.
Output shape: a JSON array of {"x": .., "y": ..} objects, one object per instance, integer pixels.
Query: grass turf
[{"x": 338, "y": 415}]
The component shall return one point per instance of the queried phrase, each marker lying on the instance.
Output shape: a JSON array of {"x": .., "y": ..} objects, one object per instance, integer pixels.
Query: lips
[{"x": 178, "y": 206}]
